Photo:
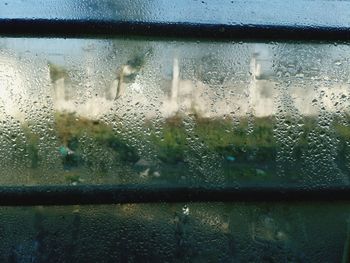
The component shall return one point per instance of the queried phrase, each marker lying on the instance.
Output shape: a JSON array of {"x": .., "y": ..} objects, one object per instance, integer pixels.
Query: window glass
[
  {"x": 140, "y": 111},
  {"x": 200, "y": 232}
]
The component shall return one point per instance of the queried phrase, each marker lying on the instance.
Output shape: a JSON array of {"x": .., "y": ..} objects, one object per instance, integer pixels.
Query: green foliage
[
  {"x": 71, "y": 128},
  {"x": 343, "y": 131},
  {"x": 171, "y": 145},
  {"x": 72, "y": 177},
  {"x": 248, "y": 155},
  {"x": 124, "y": 151},
  {"x": 31, "y": 147},
  {"x": 220, "y": 136}
]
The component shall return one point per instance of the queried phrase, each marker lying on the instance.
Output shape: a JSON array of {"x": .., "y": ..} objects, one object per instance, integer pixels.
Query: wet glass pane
[
  {"x": 271, "y": 232},
  {"x": 141, "y": 111}
]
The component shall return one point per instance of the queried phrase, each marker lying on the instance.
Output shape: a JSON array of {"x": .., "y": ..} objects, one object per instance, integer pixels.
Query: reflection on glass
[
  {"x": 89, "y": 111},
  {"x": 177, "y": 233}
]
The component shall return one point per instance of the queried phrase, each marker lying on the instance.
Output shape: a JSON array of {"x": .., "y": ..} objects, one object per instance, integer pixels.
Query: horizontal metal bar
[
  {"x": 92, "y": 28},
  {"x": 71, "y": 195},
  {"x": 256, "y": 19}
]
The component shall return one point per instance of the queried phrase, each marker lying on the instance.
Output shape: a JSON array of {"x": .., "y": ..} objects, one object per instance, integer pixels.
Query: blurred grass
[{"x": 247, "y": 149}]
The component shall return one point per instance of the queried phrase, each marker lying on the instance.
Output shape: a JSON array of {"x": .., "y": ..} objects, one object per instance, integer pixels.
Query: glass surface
[
  {"x": 140, "y": 111},
  {"x": 216, "y": 232},
  {"x": 299, "y": 13}
]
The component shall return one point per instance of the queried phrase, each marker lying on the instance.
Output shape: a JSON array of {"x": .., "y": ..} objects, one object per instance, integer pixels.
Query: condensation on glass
[
  {"x": 116, "y": 111},
  {"x": 198, "y": 232}
]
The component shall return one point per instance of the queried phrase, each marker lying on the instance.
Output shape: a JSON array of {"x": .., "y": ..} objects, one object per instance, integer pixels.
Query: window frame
[{"x": 50, "y": 20}]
